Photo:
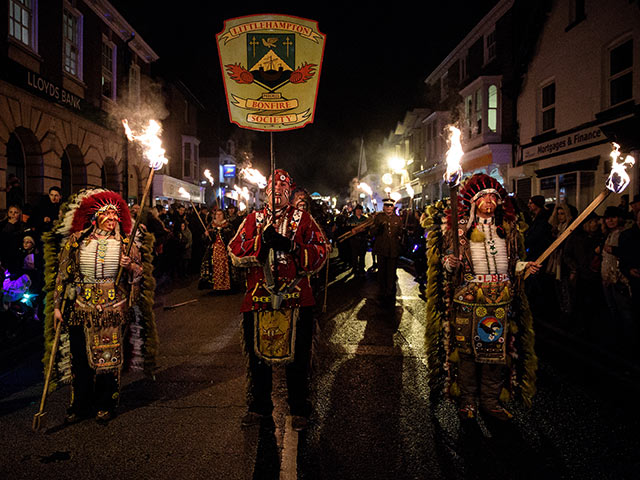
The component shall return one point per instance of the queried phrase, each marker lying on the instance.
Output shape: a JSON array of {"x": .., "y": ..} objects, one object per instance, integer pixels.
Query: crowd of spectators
[{"x": 589, "y": 287}]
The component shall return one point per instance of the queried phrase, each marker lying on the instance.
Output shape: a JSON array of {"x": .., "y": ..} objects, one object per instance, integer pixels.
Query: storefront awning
[{"x": 169, "y": 187}]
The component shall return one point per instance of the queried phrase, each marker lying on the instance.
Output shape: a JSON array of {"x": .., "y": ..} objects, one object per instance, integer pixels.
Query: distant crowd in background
[{"x": 590, "y": 285}]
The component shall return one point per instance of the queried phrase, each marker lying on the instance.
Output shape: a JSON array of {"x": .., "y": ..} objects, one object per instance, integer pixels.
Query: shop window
[
  {"x": 621, "y": 73},
  {"x": 548, "y": 107},
  {"x": 22, "y": 24},
  {"x": 108, "y": 69},
  {"x": 72, "y": 38}
]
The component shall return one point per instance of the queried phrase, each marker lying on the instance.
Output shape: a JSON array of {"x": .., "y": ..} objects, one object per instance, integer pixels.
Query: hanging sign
[{"x": 271, "y": 70}]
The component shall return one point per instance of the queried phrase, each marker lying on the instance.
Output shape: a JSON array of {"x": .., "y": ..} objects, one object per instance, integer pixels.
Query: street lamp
[
  {"x": 387, "y": 179},
  {"x": 397, "y": 164}
]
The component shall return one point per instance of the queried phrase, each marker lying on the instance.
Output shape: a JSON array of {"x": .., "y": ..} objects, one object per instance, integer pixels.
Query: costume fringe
[{"x": 436, "y": 312}]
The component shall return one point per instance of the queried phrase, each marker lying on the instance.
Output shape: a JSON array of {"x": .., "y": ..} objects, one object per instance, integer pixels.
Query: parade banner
[{"x": 271, "y": 70}]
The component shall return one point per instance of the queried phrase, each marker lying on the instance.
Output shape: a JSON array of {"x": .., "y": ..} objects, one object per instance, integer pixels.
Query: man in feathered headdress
[
  {"x": 487, "y": 324},
  {"x": 281, "y": 248},
  {"x": 93, "y": 306}
]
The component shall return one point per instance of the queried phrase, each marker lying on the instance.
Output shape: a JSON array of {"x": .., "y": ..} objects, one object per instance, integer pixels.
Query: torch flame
[
  {"x": 241, "y": 206},
  {"x": 454, "y": 154},
  {"x": 618, "y": 178},
  {"x": 365, "y": 188},
  {"x": 208, "y": 176},
  {"x": 395, "y": 196},
  {"x": 410, "y": 190},
  {"x": 150, "y": 141},
  {"x": 184, "y": 193},
  {"x": 242, "y": 192},
  {"x": 252, "y": 175}
]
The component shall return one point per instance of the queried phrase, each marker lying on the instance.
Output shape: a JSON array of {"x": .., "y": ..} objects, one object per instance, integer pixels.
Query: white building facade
[{"x": 581, "y": 92}]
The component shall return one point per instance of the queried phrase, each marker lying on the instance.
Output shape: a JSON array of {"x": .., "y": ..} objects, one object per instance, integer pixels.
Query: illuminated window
[
  {"x": 72, "y": 38},
  {"x": 492, "y": 108},
  {"x": 108, "y": 69},
  {"x": 548, "y": 107},
  {"x": 478, "y": 113},
  {"x": 621, "y": 73},
  {"x": 22, "y": 21}
]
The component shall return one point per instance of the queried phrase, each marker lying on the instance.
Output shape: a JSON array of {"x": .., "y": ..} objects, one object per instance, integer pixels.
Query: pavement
[{"x": 372, "y": 418}]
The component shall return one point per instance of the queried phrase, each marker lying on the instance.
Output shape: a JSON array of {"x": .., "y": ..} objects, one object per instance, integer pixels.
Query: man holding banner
[{"x": 281, "y": 247}]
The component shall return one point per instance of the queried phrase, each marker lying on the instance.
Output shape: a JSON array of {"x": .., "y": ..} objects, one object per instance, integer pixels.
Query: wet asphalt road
[{"x": 372, "y": 417}]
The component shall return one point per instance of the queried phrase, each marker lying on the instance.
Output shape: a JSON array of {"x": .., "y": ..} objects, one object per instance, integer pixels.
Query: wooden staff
[
  {"x": 39, "y": 418},
  {"x": 359, "y": 228},
  {"x": 578, "y": 220},
  {"x": 206, "y": 232},
  {"x": 132, "y": 237},
  {"x": 326, "y": 285}
]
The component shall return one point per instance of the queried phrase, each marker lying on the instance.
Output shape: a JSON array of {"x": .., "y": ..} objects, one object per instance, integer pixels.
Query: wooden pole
[
  {"x": 326, "y": 285},
  {"x": 132, "y": 237},
  {"x": 38, "y": 418},
  {"x": 453, "y": 196},
  {"x": 578, "y": 220},
  {"x": 206, "y": 232}
]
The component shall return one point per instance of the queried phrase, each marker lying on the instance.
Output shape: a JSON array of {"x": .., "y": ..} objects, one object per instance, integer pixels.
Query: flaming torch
[
  {"x": 208, "y": 176},
  {"x": 452, "y": 176},
  {"x": 187, "y": 196},
  {"x": 252, "y": 175},
  {"x": 149, "y": 141},
  {"x": 618, "y": 180},
  {"x": 411, "y": 192}
]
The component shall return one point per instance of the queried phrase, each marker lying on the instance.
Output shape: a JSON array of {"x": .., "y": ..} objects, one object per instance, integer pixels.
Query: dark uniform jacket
[{"x": 387, "y": 230}]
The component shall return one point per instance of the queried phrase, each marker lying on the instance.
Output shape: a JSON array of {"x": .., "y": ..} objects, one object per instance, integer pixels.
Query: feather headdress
[{"x": 96, "y": 203}]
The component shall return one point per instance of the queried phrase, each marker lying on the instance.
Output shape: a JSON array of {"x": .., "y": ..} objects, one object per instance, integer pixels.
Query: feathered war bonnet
[
  {"x": 476, "y": 186},
  {"x": 91, "y": 206}
]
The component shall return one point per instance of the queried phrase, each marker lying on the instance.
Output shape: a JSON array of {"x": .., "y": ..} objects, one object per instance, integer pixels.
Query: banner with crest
[{"x": 271, "y": 70}]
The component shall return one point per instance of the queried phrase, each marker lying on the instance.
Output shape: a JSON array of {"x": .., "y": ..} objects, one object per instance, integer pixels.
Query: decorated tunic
[{"x": 293, "y": 269}]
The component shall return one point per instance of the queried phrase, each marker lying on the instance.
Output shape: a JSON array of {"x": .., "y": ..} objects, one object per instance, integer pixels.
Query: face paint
[
  {"x": 108, "y": 219},
  {"x": 487, "y": 204},
  {"x": 282, "y": 191}
]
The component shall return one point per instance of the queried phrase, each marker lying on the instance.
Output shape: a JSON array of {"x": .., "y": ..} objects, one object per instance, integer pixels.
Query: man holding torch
[
  {"x": 488, "y": 326},
  {"x": 281, "y": 247}
]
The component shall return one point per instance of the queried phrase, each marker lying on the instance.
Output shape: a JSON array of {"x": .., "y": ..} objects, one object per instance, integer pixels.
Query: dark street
[{"x": 372, "y": 416}]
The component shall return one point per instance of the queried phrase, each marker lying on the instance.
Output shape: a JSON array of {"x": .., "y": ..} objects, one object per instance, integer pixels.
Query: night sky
[{"x": 375, "y": 63}]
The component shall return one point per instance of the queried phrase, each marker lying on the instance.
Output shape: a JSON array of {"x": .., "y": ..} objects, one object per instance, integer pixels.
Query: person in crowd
[
  {"x": 635, "y": 205},
  {"x": 560, "y": 219},
  {"x": 582, "y": 258},
  {"x": 281, "y": 248},
  {"x": 233, "y": 218},
  {"x": 301, "y": 200},
  {"x": 340, "y": 224},
  {"x": 92, "y": 306},
  {"x": 418, "y": 252},
  {"x": 215, "y": 272},
  {"x": 615, "y": 285},
  {"x": 359, "y": 241},
  {"x": 629, "y": 258},
  {"x": 482, "y": 354},
  {"x": 11, "y": 231},
  {"x": 134, "y": 210},
  {"x": 183, "y": 242},
  {"x": 537, "y": 238},
  {"x": 387, "y": 232},
  {"x": 48, "y": 209}
]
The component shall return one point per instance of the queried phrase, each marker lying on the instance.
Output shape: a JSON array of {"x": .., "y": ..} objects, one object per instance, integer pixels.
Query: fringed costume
[
  {"x": 278, "y": 305},
  {"x": 479, "y": 327},
  {"x": 108, "y": 326}
]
